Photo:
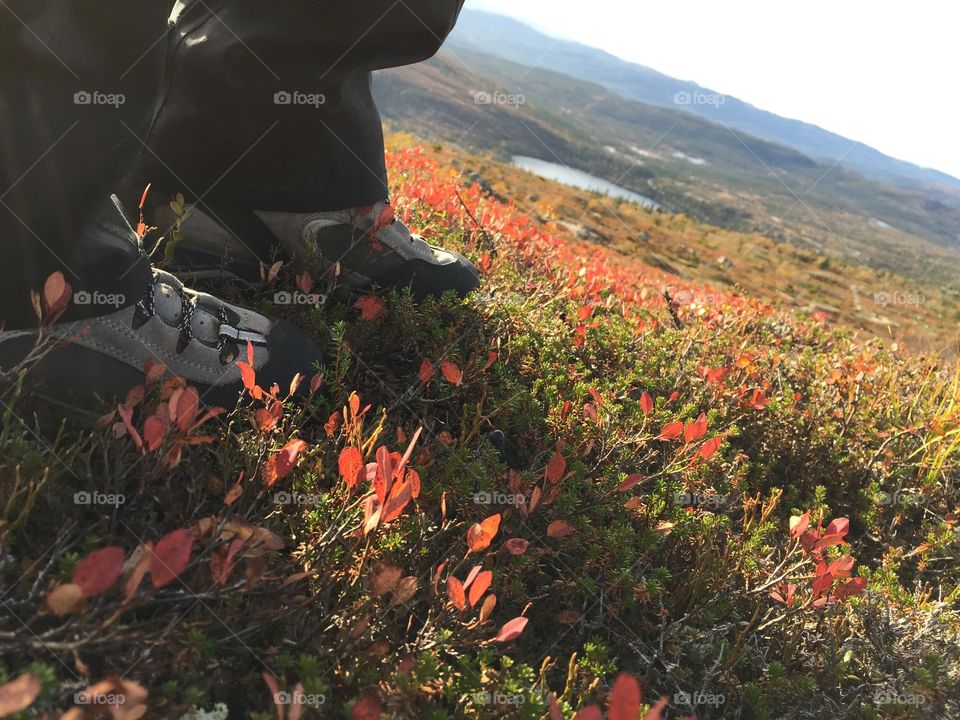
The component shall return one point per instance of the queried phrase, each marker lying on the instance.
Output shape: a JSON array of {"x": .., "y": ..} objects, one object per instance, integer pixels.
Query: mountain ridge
[{"x": 518, "y": 42}]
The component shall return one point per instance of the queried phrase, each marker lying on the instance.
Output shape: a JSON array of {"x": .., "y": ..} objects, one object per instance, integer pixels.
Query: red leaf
[
  {"x": 656, "y": 710},
  {"x": 99, "y": 570},
  {"x": 426, "y": 371},
  {"x": 187, "y": 408},
  {"x": 840, "y": 527},
  {"x": 491, "y": 359},
  {"x": 481, "y": 534},
  {"x": 710, "y": 447},
  {"x": 671, "y": 431},
  {"x": 19, "y": 694},
  {"x": 624, "y": 701},
  {"x": 286, "y": 459},
  {"x": 223, "y": 561},
  {"x": 456, "y": 594},
  {"x": 839, "y": 568},
  {"x": 171, "y": 555},
  {"x": 850, "y": 588},
  {"x": 799, "y": 524},
  {"x": 629, "y": 482},
  {"x": 56, "y": 293},
  {"x": 472, "y": 575},
  {"x": 366, "y": 708},
  {"x": 400, "y": 495},
  {"x": 555, "y": 468},
  {"x": 153, "y": 432},
  {"x": 646, "y": 403},
  {"x": 560, "y": 529},
  {"x": 370, "y": 307},
  {"x": 350, "y": 465},
  {"x": 268, "y": 417},
  {"x": 516, "y": 546},
  {"x": 249, "y": 377},
  {"x": 452, "y": 373},
  {"x": 695, "y": 430},
  {"x": 511, "y": 630},
  {"x": 480, "y": 586}
]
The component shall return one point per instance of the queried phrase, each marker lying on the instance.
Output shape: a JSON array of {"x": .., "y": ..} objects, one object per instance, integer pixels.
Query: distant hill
[
  {"x": 513, "y": 40},
  {"x": 684, "y": 162}
]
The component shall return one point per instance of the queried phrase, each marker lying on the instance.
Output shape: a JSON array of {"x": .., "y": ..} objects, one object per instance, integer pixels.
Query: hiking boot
[
  {"x": 195, "y": 335},
  {"x": 359, "y": 248}
]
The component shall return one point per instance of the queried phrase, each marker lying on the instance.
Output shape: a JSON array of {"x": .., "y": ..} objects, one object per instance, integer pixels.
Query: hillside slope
[{"x": 516, "y": 505}]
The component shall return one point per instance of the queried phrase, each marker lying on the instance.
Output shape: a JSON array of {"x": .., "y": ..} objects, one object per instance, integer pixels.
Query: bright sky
[{"x": 881, "y": 72}]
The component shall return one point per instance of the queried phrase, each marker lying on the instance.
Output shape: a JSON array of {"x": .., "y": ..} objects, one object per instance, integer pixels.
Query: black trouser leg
[
  {"x": 78, "y": 84},
  {"x": 269, "y": 105}
]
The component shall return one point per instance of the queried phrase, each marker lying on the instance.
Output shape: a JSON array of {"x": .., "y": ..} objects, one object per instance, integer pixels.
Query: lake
[{"x": 580, "y": 179}]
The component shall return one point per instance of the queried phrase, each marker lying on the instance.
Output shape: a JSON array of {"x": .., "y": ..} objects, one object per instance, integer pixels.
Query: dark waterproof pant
[{"x": 235, "y": 102}]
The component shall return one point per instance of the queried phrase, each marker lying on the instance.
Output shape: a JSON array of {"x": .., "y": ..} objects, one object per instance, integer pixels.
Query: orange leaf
[
  {"x": 491, "y": 359},
  {"x": 555, "y": 468},
  {"x": 170, "y": 557},
  {"x": 486, "y": 609},
  {"x": 671, "y": 431},
  {"x": 400, "y": 495},
  {"x": 187, "y": 408},
  {"x": 516, "y": 546},
  {"x": 56, "y": 293},
  {"x": 480, "y": 586},
  {"x": 452, "y": 373},
  {"x": 370, "y": 307},
  {"x": 472, "y": 575},
  {"x": 481, "y": 534},
  {"x": 710, "y": 447},
  {"x": 426, "y": 371},
  {"x": 19, "y": 694},
  {"x": 153, "y": 432},
  {"x": 695, "y": 430},
  {"x": 624, "y": 702},
  {"x": 99, "y": 570},
  {"x": 560, "y": 529},
  {"x": 139, "y": 570},
  {"x": 65, "y": 599},
  {"x": 350, "y": 465},
  {"x": 511, "y": 630},
  {"x": 456, "y": 594}
]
